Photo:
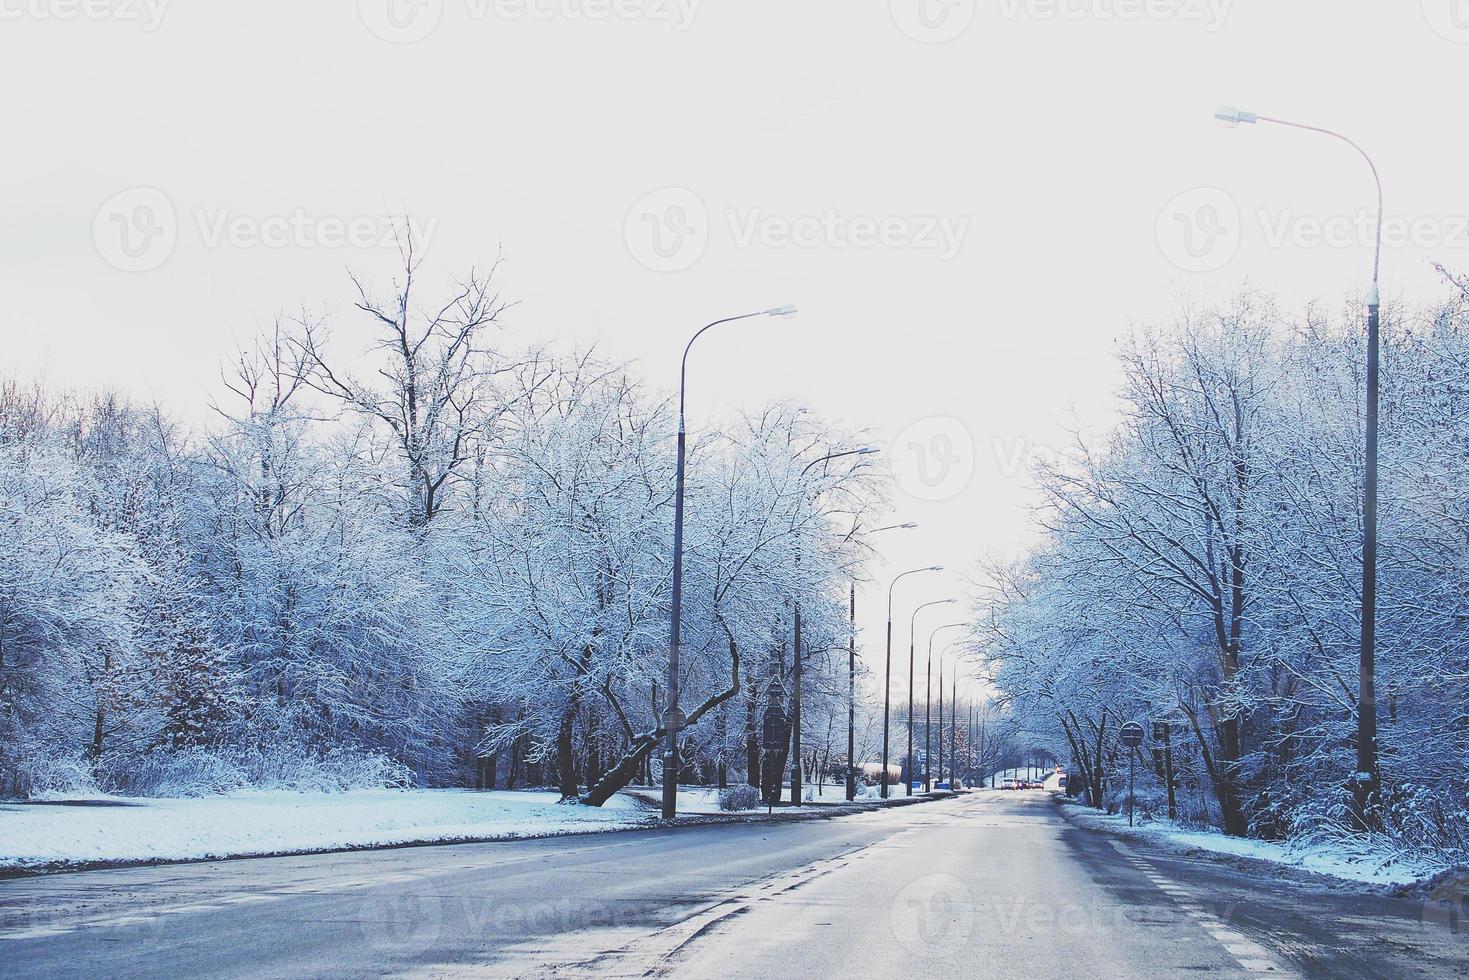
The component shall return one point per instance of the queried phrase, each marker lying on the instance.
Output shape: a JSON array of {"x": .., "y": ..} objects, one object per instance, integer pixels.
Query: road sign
[
  {"x": 1131, "y": 734},
  {"x": 674, "y": 718}
]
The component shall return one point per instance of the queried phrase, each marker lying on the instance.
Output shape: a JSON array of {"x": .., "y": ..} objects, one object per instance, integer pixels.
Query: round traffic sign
[{"x": 1131, "y": 734}]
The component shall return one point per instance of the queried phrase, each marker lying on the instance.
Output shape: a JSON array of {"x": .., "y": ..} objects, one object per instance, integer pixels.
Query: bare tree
[{"x": 434, "y": 391}]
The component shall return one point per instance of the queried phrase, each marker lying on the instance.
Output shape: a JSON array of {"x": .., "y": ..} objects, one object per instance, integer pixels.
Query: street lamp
[
  {"x": 673, "y": 717},
  {"x": 1366, "y": 779},
  {"x": 796, "y": 604},
  {"x": 887, "y": 671},
  {"x": 912, "y": 644},
  {"x": 953, "y": 721},
  {"x": 852, "y": 672},
  {"x": 926, "y": 697}
]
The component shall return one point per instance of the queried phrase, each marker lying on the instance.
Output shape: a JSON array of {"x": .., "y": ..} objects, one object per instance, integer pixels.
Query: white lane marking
[
  {"x": 1250, "y": 955},
  {"x": 620, "y": 952}
]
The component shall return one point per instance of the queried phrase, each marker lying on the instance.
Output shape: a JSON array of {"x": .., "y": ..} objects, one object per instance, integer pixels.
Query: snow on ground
[
  {"x": 266, "y": 823},
  {"x": 705, "y": 800},
  {"x": 1362, "y": 867},
  {"x": 58, "y": 832}
]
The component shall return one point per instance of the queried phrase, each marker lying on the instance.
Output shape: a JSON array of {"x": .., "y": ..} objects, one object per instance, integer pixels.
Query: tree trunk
[{"x": 642, "y": 745}]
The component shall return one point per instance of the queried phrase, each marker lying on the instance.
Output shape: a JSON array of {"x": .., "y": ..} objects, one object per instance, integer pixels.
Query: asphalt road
[{"x": 992, "y": 884}]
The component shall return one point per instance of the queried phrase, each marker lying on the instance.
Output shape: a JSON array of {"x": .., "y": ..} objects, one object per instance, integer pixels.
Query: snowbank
[
  {"x": 37, "y": 835},
  {"x": 1362, "y": 866},
  {"x": 61, "y": 832}
]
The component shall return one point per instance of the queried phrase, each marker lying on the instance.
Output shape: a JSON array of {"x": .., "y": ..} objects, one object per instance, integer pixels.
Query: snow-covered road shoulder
[{"x": 1374, "y": 872}]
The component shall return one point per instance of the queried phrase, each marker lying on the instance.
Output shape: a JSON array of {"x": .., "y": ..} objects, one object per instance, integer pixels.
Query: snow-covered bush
[
  {"x": 202, "y": 771},
  {"x": 56, "y": 777},
  {"x": 741, "y": 797}
]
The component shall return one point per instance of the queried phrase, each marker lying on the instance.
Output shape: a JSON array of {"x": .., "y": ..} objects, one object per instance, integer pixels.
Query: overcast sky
[{"x": 970, "y": 202}]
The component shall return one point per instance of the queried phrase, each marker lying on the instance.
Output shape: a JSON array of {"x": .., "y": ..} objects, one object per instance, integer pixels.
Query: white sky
[{"x": 1059, "y": 131}]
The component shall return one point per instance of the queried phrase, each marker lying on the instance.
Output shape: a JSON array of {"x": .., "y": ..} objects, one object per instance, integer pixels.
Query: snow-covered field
[
  {"x": 34, "y": 835},
  {"x": 1364, "y": 867},
  {"x": 119, "y": 829}
]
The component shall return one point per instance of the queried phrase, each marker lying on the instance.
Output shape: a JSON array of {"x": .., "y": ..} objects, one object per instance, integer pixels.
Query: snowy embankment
[
  {"x": 34, "y": 835},
  {"x": 61, "y": 833},
  {"x": 1360, "y": 866}
]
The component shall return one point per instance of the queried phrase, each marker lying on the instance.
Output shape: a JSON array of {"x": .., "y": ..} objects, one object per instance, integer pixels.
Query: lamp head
[
  {"x": 935, "y": 568},
  {"x": 908, "y": 526},
  {"x": 787, "y": 311},
  {"x": 1231, "y": 117},
  {"x": 868, "y": 450}
]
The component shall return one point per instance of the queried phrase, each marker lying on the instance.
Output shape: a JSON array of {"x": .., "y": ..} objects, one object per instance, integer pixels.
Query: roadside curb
[{"x": 819, "y": 811}]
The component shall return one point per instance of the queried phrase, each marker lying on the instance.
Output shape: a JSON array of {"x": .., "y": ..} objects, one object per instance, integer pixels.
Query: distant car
[{"x": 1010, "y": 784}]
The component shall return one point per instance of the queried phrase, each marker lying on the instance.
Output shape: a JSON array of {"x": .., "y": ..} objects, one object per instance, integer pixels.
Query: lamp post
[
  {"x": 673, "y": 717},
  {"x": 929, "y": 672},
  {"x": 887, "y": 672},
  {"x": 912, "y": 649},
  {"x": 953, "y": 722},
  {"x": 852, "y": 674},
  {"x": 796, "y": 663},
  {"x": 1366, "y": 779}
]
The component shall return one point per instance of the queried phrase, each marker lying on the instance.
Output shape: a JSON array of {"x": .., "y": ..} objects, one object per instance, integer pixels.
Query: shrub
[
  {"x": 209, "y": 771},
  {"x": 742, "y": 797},
  {"x": 55, "y": 777}
]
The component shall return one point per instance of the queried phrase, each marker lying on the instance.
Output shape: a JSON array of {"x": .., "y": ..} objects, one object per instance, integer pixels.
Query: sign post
[{"x": 1131, "y": 735}]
